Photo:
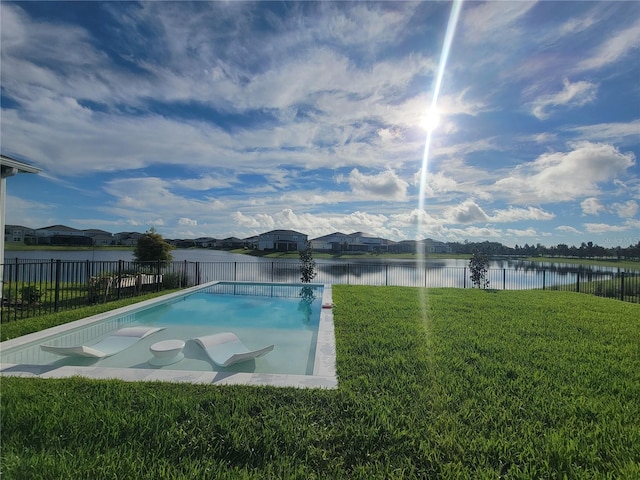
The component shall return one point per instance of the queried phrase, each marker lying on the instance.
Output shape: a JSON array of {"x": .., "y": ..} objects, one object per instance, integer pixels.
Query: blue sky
[{"x": 231, "y": 118}]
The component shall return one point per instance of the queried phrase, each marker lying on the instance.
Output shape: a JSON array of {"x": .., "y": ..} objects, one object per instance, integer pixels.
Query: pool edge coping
[{"x": 324, "y": 370}]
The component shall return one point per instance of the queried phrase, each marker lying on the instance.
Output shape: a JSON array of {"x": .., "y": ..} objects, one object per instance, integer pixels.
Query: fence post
[
  {"x": 504, "y": 278},
  {"x": 386, "y": 275},
  {"x": 272, "y": 271},
  {"x": 464, "y": 278},
  {"x": 119, "y": 283},
  {"x": 622, "y": 286},
  {"x": 348, "y": 274},
  {"x": 235, "y": 271},
  {"x": 544, "y": 277},
  {"x": 57, "y": 287},
  {"x": 197, "y": 273},
  {"x": 578, "y": 282}
]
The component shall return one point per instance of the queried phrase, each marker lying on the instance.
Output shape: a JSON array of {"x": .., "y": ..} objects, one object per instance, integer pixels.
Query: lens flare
[
  {"x": 433, "y": 110},
  {"x": 432, "y": 114}
]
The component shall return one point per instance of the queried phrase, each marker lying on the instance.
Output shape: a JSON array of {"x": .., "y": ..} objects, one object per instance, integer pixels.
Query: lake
[{"x": 222, "y": 265}]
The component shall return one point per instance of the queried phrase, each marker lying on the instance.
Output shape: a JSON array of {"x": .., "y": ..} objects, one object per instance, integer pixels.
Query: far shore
[{"x": 9, "y": 246}]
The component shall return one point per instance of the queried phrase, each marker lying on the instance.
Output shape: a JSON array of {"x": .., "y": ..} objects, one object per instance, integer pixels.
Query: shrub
[
  {"x": 479, "y": 266},
  {"x": 30, "y": 294}
]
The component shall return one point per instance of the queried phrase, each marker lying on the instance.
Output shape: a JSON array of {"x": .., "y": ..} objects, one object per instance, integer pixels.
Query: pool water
[{"x": 259, "y": 314}]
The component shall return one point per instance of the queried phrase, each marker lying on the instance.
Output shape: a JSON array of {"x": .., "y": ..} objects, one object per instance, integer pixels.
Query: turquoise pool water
[{"x": 286, "y": 316}]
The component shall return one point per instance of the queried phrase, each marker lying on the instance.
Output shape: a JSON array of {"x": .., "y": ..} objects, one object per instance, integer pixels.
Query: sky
[{"x": 233, "y": 118}]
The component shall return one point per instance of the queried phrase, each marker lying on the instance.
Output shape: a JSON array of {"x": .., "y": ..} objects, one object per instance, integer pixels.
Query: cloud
[
  {"x": 493, "y": 21},
  {"x": 467, "y": 212},
  {"x": 619, "y": 44},
  {"x": 206, "y": 182},
  {"x": 618, "y": 133},
  {"x": 513, "y": 214},
  {"x": 568, "y": 229},
  {"x": 572, "y": 95},
  {"x": 187, "y": 221},
  {"x": 592, "y": 206},
  {"x": 603, "y": 227},
  {"x": 529, "y": 232},
  {"x": 627, "y": 209},
  {"x": 564, "y": 176},
  {"x": 386, "y": 185},
  {"x": 470, "y": 212}
]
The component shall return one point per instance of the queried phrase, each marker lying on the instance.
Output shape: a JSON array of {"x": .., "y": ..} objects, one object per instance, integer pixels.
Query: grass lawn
[{"x": 438, "y": 383}]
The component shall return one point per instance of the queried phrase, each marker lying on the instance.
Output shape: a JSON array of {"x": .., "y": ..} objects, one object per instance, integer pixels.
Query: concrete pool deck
[{"x": 324, "y": 367}]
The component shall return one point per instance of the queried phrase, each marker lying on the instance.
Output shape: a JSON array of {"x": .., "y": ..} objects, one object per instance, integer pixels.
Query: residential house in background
[
  {"x": 127, "y": 238},
  {"x": 334, "y": 242},
  {"x": 365, "y": 242},
  {"x": 100, "y": 238},
  {"x": 231, "y": 243},
  {"x": 19, "y": 234},
  {"x": 205, "y": 242},
  {"x": 62, "y": 235},
  {"x": 282, "y": 241},
  {"x": 425, "y": 246}
]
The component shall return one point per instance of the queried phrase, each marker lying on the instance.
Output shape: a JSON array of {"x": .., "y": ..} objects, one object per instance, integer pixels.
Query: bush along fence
[{"x": 32, "y": 288}]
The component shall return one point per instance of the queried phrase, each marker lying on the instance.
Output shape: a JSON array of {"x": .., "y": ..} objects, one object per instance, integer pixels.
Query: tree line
[{"x": 585, "y": 250}]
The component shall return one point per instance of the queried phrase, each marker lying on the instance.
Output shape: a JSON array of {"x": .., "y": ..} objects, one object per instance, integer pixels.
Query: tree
[
  {"x": 151, "y": 247},
  {"x": 307, "y": 264},
  {"x": 479, "y": 266}
]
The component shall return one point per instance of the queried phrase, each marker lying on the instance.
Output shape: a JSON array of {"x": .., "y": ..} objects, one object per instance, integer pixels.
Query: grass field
[{"x": 440, "y": 383}]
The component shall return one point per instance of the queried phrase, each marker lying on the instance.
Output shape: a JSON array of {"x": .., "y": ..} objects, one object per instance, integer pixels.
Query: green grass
[
  {"x": 513, "y": 384},
  {"x": 588, "y": 261}
]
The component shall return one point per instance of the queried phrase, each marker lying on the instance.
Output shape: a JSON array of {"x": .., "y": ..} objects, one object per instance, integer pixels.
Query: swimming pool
[{"x": 290, "y": 317}]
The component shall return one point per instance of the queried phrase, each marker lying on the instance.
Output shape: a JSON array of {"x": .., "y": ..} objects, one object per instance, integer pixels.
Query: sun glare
[{"x": 430, "y": 120}]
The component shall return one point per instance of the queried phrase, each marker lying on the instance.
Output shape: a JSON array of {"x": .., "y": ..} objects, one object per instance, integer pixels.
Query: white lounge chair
[
  {"x": 114, "y": 343},
  {"x": 225, "y": 349}
]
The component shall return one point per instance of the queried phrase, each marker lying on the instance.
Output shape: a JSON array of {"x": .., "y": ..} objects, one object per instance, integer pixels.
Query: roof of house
[
  {"x": 9, "y": 163},
  {"x": 283, "y": 232},
  {"x": 62, "y": 228}
]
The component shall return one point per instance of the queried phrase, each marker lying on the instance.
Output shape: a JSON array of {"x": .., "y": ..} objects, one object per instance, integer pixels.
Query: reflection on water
[{"x": 220, "y": 265}]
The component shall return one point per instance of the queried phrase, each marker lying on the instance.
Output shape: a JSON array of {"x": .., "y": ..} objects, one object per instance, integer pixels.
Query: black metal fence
[{"x": 32, "y": 288}]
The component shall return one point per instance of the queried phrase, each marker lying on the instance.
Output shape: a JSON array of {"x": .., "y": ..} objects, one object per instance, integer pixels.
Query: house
[
  {"x": 251, "y": 242},
  {"x": 19, "y": 234},
  {"x": 422, "y": 246},
  {"x": 334, "y": 242},
  {"x": 365, "y": 242},
  {"x": 62, "y": 235},
  {"x": 231, "y": 243},
  {"x": 282, "y": 241},
  {"x": 100, "y": 238},
  {"x": 205, "y": 242},
  {"x": 127, "y": 238}
]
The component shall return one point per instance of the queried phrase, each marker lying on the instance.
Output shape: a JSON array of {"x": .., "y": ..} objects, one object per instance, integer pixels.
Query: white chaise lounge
[
  {"x": 114, "y": 343},
  {"x": 225, "y": 349}
]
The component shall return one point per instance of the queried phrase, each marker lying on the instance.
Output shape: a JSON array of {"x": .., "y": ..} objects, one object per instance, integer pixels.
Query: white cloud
[
  {"x": 386, "y": 185},
  {"x": 529, "y": 232},
  {"x": 627, "y": 209},
  {"x": 568, "y": 229},
  {"x": 603, "y": 227},
  {"x": 467, "y": 212},
  {"x": 513, "y": 214},
  {"x": 187, "y": 221},
  {"x": 615, "y": 133},
  {"x": 206, "y": 182},
  {"x": 564, "y": 176},
  {"x": 493, "y": 21},
  {"x": 572, "y": 95},
  {"x": 592, "y": 206},
  {"x": 619, "y": 44}
]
